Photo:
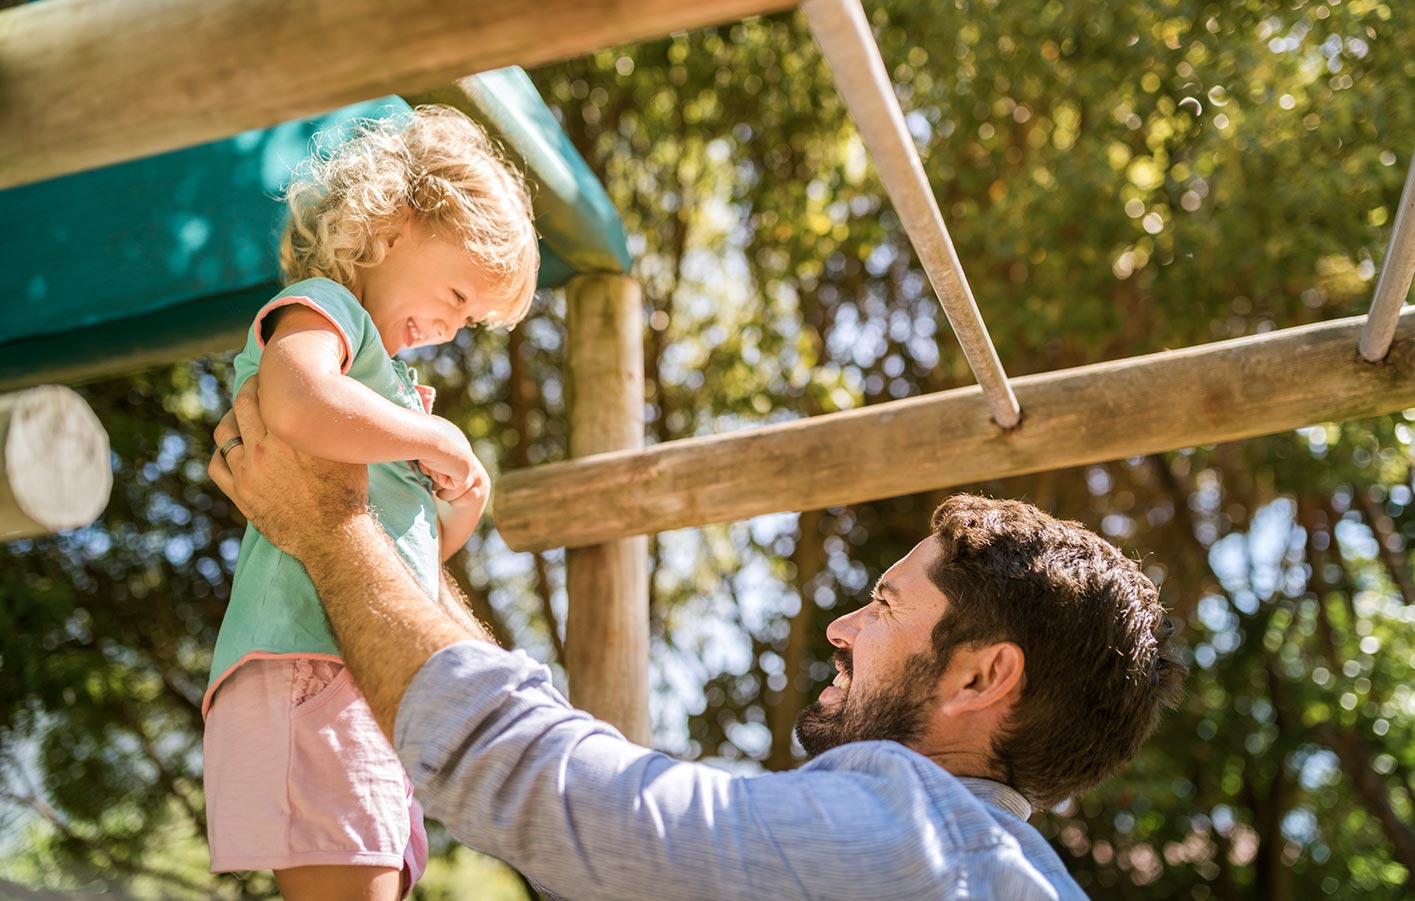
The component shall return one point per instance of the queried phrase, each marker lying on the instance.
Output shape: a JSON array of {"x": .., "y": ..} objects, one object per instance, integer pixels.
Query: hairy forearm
[{"x": 380, "y": 616}]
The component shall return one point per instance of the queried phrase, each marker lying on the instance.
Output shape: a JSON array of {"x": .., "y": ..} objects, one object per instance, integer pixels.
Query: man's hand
[{"x": 289, "y": 496}]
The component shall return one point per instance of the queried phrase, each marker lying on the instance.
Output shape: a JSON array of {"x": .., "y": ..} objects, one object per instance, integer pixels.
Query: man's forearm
[{"x": 380, "y": 616}]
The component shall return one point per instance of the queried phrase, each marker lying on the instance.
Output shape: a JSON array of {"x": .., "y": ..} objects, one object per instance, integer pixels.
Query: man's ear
[{"x": 982, "y": 677}]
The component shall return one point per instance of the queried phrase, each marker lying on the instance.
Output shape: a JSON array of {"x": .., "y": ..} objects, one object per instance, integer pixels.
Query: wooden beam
[
  {"x": 607, "y": 626},
  {"x": 55, "y": 471},
  {"x": 1396, "y": 274},
  {"x": 210, "y": 325},
  {"x": 1199, "y": 395},
  {"x": 87, "y": 83}
]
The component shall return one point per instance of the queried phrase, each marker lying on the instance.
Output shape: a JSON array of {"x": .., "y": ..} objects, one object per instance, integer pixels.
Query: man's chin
[
  {"x": 835, "y": 720},
  {"x": 820, "y": 726}
]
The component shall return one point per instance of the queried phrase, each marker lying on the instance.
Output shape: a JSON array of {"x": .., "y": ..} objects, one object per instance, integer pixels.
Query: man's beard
[{"x": 898, "y": 712}]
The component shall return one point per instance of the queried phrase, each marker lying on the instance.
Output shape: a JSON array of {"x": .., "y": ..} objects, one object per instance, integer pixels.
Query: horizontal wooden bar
[
  {"x": 87, "y": 83},
  {"x": 1199, "y": 395}
]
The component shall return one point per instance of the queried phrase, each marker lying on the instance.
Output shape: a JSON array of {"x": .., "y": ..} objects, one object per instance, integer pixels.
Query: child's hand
[
  {"x": 453, "y": 468},
  {"x": 474, "y": 490},
  {"x": 462, "y": 488}
]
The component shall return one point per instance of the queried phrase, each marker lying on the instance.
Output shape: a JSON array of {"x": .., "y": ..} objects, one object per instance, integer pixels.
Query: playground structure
[{"x": 615, "y": 490}]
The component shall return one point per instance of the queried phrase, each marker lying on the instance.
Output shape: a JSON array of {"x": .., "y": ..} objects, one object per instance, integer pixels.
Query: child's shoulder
[
  {"x": 320, "y": 289},
  {"x": 329, "y": 298}
]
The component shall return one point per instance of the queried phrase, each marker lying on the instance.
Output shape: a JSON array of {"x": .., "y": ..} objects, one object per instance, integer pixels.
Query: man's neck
[
  {"x": 964, "y": 763},
  {"x": 981, "y": 775},
  {"x": 961, "y": 752}
]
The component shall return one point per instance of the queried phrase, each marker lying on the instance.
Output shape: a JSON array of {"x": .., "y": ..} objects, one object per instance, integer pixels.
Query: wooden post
[
  {"x": 1223, "y": 391},
  {"x": 55, "y": 471},
  {"x": 607, "y": 628}
]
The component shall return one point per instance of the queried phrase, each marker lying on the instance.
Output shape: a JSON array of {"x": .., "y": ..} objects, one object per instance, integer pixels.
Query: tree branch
[
  {"x": 101, "y": 855},
  {"x": 1381, "y": 528}
]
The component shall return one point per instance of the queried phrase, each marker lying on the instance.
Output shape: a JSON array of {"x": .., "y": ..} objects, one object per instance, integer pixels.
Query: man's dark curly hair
[{"x": 1099, "y": 666}]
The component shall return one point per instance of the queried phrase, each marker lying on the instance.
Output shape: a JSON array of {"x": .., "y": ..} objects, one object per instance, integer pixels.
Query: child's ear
[{"x": 402, "y": 226}]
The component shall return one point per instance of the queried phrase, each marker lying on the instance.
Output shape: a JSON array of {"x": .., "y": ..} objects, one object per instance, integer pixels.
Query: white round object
[{"x": 55, "y": 460}]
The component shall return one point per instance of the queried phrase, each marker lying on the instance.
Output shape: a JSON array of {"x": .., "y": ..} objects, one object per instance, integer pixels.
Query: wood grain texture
[
  {"x": 87, "y": 83},
  {"x": 1199, "y": 395},
  {"x": 607, "y": 625},
  {"x": 55, "y": 470}
]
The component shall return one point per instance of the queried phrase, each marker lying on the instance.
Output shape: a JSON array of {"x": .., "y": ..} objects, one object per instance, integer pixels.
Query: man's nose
[{"x": 842, "y": 631}]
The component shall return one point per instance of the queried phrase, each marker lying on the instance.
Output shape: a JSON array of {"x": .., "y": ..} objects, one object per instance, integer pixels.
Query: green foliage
[{"x": 1118, "y": 179}]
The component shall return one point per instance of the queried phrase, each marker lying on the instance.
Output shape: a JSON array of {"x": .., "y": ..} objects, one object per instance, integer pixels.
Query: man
[{"x": 1007, "y": 662}]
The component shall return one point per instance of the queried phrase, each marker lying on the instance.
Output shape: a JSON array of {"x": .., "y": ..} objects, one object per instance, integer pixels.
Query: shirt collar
[{"x": 1004, "y": 796}]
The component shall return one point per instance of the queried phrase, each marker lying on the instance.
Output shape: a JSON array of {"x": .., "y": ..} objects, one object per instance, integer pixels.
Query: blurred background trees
[{"x": 1119, "y": 179}]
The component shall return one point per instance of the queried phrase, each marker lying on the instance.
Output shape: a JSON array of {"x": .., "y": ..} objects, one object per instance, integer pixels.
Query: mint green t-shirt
[{"x": 274, "y": 610}]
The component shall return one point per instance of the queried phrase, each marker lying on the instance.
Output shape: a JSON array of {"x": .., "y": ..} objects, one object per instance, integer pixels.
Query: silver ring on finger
[{"x": 229, "y": 445}]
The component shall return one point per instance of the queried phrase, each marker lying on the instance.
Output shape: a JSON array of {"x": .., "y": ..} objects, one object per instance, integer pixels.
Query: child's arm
[
  {"x": 312, "y": 406},
  {"x": 457, "y": 522},
  {"x": 458, "y": 514}
]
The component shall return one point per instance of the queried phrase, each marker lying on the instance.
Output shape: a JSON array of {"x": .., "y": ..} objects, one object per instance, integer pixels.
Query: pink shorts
[{"x": 298, "y": 774}]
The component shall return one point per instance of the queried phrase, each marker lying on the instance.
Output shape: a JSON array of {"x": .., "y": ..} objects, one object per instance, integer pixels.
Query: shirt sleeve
[
  {"x": 332, "y": 301},
  {"x": 499, "y": 757}
]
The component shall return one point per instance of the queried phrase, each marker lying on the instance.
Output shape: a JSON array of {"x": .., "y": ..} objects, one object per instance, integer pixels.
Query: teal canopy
[{"x": 165, "y": 258}]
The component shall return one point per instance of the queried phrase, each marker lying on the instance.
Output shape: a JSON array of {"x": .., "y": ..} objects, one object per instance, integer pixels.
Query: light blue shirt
[{"x": 510, "y": 768}]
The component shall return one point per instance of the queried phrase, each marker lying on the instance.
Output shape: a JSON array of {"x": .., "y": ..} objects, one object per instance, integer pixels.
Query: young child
[{"x": 404, "y": 234}]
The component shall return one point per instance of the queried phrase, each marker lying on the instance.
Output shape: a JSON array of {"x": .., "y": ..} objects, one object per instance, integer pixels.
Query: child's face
[{"x": 424, "y": 290}]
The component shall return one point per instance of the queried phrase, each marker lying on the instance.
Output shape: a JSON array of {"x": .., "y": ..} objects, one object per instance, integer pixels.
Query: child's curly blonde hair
[{"x": 440, "y": 165}]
